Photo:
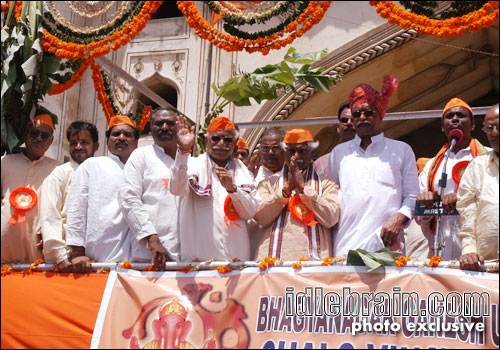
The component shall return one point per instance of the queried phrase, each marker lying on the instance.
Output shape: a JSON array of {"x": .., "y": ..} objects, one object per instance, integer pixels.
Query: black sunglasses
[
  {"x": 367, "y": 113},
  {"x": 34, "y": 133},
  {"x": 217, "y": 139},
  {"x": 345, "y": 119}
]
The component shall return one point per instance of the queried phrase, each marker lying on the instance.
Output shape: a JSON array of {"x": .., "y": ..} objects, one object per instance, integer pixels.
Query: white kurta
[
  {"x": 263, "y": 174},
  {"x": 375, "y": 184},
  {"x": 450, "y": 224},
  {"x": 95, "y": 220},
  {"x": 147, "y": 204},
  {"x": 202, "y": 228},
  {"x": 53, "y": 212}
]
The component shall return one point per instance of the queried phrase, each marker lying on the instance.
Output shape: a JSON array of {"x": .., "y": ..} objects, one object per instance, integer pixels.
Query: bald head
[{"x": 491, "y": 127}]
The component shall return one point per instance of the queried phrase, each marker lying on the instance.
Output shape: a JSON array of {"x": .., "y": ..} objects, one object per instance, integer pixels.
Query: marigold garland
[
  {"x": 311, "y": 16},
  {"x": 267, "y": 262},
  {"x": 6, "y": 269},
  {"x": 102, "y": 97},
  {"x": 77, "y": 77},
  {"x": 224, "y": 269},
  {"x": 327, "y": 261},
  {"x": 186, "y": 269},
  {"x": 126, "y": 265},
  {"x": 149, "y": 268},
  {"x": 402, "y": 260},
  {"x": 297, "y": 265},
  {"x": 435, "y": 260},
  {"x": 454, "y": 26}
]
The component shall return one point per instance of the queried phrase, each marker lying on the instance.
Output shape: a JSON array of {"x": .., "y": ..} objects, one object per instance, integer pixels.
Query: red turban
[
  {"x": 456, "y": 102},
  {"x": 121, "y": 120},
  {"x": 364, "y": 93},
  {"x": 42, "y": 119},
  {"x": 241, "y": 143},
  {"x": 220, "y": 123},
  {"x": 298, "y": 136}
]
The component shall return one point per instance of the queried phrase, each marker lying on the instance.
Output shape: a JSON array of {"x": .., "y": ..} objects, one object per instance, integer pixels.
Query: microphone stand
[{"x": 438, "y": 245}]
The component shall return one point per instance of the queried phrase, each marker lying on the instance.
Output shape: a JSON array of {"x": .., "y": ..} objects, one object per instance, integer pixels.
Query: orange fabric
[
  {"x": 51, "y": 319},
  {"x": 456, "y": 102},
  {"x": 241, "y": 143},
  {"x": 421, "y": 163},
  {"x": 121, "y": 120},
  {"x": 364, "y": 93},
  {"x": 43, "y": 119},
  {"x": 221, "y": 123},
  {"x": 298, "y": 136}
]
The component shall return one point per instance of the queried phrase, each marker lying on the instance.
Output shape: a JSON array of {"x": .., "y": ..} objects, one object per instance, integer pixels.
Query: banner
[{"x": 315, "y": 307}]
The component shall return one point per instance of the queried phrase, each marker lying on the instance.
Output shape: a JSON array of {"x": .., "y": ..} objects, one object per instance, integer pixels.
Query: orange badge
[
  {"x": 21, "y": 199},
  {"x": 301, "y": 212},
  {"x": 231, "y": 215},
  {"x": 458, "y": 171}
]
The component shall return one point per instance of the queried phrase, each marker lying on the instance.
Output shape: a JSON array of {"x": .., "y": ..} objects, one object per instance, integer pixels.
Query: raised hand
[
  {"x": 225, "y": 178},
  {"x": 296, "y": 174},
  {"x": 185, "y": 135},
  {"x": 254, "y": 164}
]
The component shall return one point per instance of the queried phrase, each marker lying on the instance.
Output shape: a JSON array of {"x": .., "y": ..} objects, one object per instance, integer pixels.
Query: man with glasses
[
  {"x": 217, "y": 194},
  {"x": 149, "y": 208},
  {"x": 377, "y": 177},
  {"x": 346, "y": 132},
  {"x": 298, "y": 207},
  {"x": 270, "y": 157},
  {"x": 22, "y": 178},
  {"x": 83, "y": 143},
  {"x": 457, "y": 115},
  {"x": 478, "y": 202},
  {"x": 96, "y": 229}
]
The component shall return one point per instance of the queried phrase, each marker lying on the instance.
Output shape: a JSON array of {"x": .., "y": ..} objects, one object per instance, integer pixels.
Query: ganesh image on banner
[{"x": 173, "y": 327}]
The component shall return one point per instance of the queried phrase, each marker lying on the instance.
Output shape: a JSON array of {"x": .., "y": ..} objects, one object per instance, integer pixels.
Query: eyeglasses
[
  {"x": 346, "y": 119},
  {"x": 368, "y": 113},
  {"x": 267, "y": 149},
  {"x": 34, "y": 133},
  {"x": 217, "y": 139},
  {"x": 488, "y": 129}
]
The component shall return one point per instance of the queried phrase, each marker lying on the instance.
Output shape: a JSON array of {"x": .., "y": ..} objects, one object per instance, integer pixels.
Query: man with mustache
[
  {"x": 457, "y": 115},
  {"x": 83, "y": 143},
  {"x": 96, "y": 229},
  {"x": 346, "y": 131},
  {"x": 478, "y": 202},
  {"x": 270, "y": 157},
  {"x": 217, "y": 194},
  {"x": 377, "y": 176},
  {"x": 144, "y": 196},
  {"x": 21, "y": 235},
  {"x": 298, "y": 206}
]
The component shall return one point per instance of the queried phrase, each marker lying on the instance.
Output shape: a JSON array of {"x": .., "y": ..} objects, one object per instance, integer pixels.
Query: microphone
[{"x": 455, "y": 136}]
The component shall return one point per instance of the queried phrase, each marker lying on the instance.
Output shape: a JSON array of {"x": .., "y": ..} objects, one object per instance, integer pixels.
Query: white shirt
[
  {"x": 202, "y": 228},
  {"x": 53, "y": 211},
  {"x": 375, "y": 185},
  {"x": 95, "y": 220},
  {"x": 262, "y": 174},
  {"x": 147, "y": 204},
  {"x": 450, "y": 224}
]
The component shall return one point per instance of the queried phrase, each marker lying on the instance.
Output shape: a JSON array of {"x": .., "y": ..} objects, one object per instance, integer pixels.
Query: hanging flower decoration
[
  {"x": 75, "y": 78},
  {"x": 486, "y": 16},
  {"x": 302, "y": 18},
  {"x": 402, "y": 260}
]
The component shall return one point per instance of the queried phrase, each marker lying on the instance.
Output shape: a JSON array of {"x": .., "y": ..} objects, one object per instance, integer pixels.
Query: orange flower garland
[
  {"x": 101, "y": 91},
  {"x": 297, "y": 265},
  {"x": 315, "y": 10},
  {"x": 435, "y": 260},
  {"x": 224, "y": 269},
  {"x": 126, "y": 265},
  {"x": 267, "y": 262},
  {"x": 327, "y": 261},
  {"x": 473, "y": 21},
  {"x": 145, "y": 115},
  {"x": 6, "y": 269},
  {"x": 77, "y": 77},
  {"x": 186, "y": 269},
  {"x": 119, "y": 38},
  {"x": 402, "y": 260}
]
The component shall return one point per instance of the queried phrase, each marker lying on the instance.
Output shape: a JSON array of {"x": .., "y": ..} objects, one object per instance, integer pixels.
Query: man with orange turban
[
  {"x": 299, "y": 207},
  {"x": 22, "y": 178},
  {"x": 217, "y": 194},
  {"x": 377, "y": 177},
  {"x": 241, "y": 152},
  {"x": 96, "y": 229},
  {"x": 457, "y": 115}
]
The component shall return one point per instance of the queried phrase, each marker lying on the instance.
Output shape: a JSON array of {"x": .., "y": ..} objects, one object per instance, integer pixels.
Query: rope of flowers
[
  {"x": 472, "y": 22},
  {"x": 75, "y": 78},
  {"x": 251, "y": 42},
  {"x": 238, "y": 17},
  {"x": 78, "y": 8},
  {"x": 72, "y": 50}
]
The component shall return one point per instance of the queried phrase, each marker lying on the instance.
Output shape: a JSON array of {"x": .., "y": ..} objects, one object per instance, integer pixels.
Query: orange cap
[
  {"x": 456, "y": 102},
  {"x": 43, "y": 119},
  {"x": 121, "y": 120},
  {"x": 421, "y": 163},
  {"x": 221, "y": 123},
  {"x": 241, "y": 143},
  {"x": 298, "y": 136}
]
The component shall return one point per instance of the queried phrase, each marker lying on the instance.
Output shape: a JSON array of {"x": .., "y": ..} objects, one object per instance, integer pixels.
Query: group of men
[{"x": 158, "y": 203}]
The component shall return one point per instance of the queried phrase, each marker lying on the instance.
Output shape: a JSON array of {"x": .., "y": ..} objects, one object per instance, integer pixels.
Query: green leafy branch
[
  {"x": 265, "y": 82},
  {"x": 379, "y": 259}
]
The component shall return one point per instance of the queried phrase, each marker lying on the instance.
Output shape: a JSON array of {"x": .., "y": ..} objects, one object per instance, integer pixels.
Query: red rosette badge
[
  {"x": 301, "y": 212},
  {"x": 21, "y": 199},
  {"x": 458, "y": 171},
  {"x": 231, "y": 215}
]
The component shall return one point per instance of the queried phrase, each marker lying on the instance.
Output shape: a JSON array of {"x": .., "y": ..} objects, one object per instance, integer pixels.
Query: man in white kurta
[
  {"x": 207, "y": 184},
  {"x": 96, "y": 228},
  {"x": 83, "y": 142},
  {"x": 20, "y": 239},
  {"x": 377, "y": 177},
  {"x": 147, "y": 204}
]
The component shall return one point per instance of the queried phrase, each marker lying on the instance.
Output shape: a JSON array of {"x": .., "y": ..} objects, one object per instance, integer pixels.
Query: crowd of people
[{"x": 158, "y": 203}]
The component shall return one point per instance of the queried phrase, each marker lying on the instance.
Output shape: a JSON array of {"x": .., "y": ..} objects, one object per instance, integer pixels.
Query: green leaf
[
  {"x": 30, "y": 67},
  {"x": 309, "y": 58}
]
